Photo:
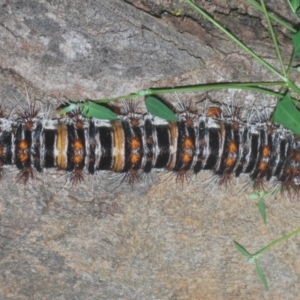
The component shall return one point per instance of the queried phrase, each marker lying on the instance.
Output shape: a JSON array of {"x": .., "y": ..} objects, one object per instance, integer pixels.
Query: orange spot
[
  {"x": 23, "y": 156},
  {"x": 135, "y": 158},
  {"x": 77, "y": 145},
  {"x": 77, "y": 159},
  {"x": 1, "y": 151},
  {"x": 188, "y": 143},
  {"x": 23, "y": 145},
  {"x": 135, "y": 143},
  {"x": 232, "y": 148},
  {"x": 266, "y": 151},
  {"x": 230, "y": 161},
  {"x": 186, "y": 158},
  {"x": 262, "y": 166},
  {"x": 214, "y": 112}
]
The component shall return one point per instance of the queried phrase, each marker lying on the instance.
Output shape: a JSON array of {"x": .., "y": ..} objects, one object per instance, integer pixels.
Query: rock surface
[{"x": 156, "y": 242}]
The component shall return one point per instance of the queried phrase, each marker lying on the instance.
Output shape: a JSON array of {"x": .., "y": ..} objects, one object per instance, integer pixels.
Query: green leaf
[
  {"x": 262, "y": 209},
  {"x": 261, "y": 275},
  {"x": 287, "y": 114},
  {"x": 296, "y": 43},
  {"x": 294, "y": 4},
  {"x": 253, "y": 196},
  {"x": 242, "y": 250},
  {"x": 68, "y": 108},
  {"x": 98, "y": 111},
  {"x": 159, "y": 109}
]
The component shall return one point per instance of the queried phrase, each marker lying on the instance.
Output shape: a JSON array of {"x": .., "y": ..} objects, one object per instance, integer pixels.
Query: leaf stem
[
  {"x": 238, "y": 42},
  {"x": 285, "y": 237},
  {"x": 271, "y": 29},
  {"x": 252, "y": 86},
  {"x": 274, "y": 17}
]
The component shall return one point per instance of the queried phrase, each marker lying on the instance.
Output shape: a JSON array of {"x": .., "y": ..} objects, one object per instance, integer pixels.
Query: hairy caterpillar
[{"x": 134, "y": 144}]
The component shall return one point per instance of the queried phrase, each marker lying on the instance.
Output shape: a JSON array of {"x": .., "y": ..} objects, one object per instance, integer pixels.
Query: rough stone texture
[{"x": 155, "y": 242}]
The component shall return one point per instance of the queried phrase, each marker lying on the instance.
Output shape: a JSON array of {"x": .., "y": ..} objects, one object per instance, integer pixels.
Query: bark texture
[{"x": 159, "y": 242}]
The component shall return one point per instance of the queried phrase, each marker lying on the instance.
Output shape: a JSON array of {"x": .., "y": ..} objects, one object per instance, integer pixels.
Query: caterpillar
[{"x": 135, "y": 144}]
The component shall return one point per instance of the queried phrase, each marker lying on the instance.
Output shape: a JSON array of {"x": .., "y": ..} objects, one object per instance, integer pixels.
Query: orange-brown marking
[
  {"x": 23, "y": 145},
  {"x": 134, "y": 158},
  {"x": 230, "y": 162},
  {"x": 1, "y": 151},
  {"x": 61, "y": 146},
  {"x": 214, "y": 112},
  {"x": 232, "y": 148},
  {"x": 135, "y": 143},
  {"x": 23, "y": 156},
  {"x": 173, "y": 144},
  {"x": 188, "y": 143},
  {"x": 78, "y": 146},
  {"x": 77, "y": 159},
  {"x": 186, "y": 158},
  {"x": 262, "y": 166},
  {"x": 118, "y": 151},
  {"x": 266, "y": 151}
]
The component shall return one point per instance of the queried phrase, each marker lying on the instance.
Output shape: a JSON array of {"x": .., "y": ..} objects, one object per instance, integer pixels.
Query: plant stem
[
  {"x": 272, "y": 16},
  {"x": 290, "y": 63},
  {"x": 292, "y": 85},
  {"x": 238, "y": 42},
  {"x": 273, "y": 37},
  {"x": 253, "y": 86},
  {"x": 285, "y": 237}
]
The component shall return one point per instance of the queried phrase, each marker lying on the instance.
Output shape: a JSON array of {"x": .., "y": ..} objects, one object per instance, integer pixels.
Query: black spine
[
  {"x": 18, "y": 138},
  {"x": 105, "y": 135},
  {"x": 201, "y": 145},
  {"x": 149, "y": 145},
  {"x": 92, "y": 146},
  {"x": 214, "y": 144},
  {"x": 36, "y": 147},
  {"x": 163, "y": 141},
  {"x": 49, "y": 141}
]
